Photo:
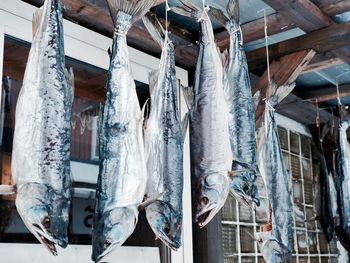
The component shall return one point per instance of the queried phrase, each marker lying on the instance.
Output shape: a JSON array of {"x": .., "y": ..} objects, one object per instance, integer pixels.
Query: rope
[
  {"x": 167, "y": 9},
  {"x": 267, "y": 48}
]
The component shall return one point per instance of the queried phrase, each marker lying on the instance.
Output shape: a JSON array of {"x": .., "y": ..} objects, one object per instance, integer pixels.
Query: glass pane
[
  {"x": 245, "y": 213},
  {"x": 261, "y": 260},
  {"x": 294, "y": 142},
  {"x": 294, "y": 260},
  {"x": 298, "y": 192},
  {"x": 299, "y": 215},
  {"x": 334, "y": 260},
  {"x": 303, "y": 260},
  {"x": 302, "y": 245},
  {"x": 229, "y": 209},
  {"x": 315, "y": 168},
  {"x": 323, "y": 243},
  {"x": 283, "y": 136},
  {"x": 295, "y": 166},
  {"x": 248, "y": 260},
  {"x": 305, "y": 146},
  {"x": 247, "y": 242},
  {"x": 231, "y": 260},
  {"x": 333, "y": 246},
  {"x": 229, "y": 239},
  {"x": 261, "y": 212},
  {"x": 286, "y": 159},
  {"x": 314, "y": 151},
  {"x": 309, "y": 199},
  {"x": 261, "y": 186},
  {"x": 310, "y": 215},
  {"x": 324, "y": 259},
  {"x": 306, "y": 164},
  {"x": 314, "y": 259}
]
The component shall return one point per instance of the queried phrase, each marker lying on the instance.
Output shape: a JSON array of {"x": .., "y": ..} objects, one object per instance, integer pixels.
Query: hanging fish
[
  {"x": 273, "y": 169},
  {"x": 241, "y": 109},
  {"x": 122, "y": 167},
  {"x": 342, "y": 183},
  {"x": 209, "y": 135},
  {"x": 164, "y": 137},
  {"x": 41, "y": 144}
]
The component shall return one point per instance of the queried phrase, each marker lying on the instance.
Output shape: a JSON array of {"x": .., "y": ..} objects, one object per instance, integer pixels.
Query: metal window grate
[{"x": 301, "y": 159}]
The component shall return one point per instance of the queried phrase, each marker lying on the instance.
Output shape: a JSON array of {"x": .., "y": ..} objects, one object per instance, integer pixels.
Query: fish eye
[
  {"x": 107, "y": 243},
  {"x": 245, "y": 188},
  {"x": 205, "y": 200},
  {"x": 260, "y": 240},
  {"x": 166, "y": 229},
  {"x": 46, "y": 222}
]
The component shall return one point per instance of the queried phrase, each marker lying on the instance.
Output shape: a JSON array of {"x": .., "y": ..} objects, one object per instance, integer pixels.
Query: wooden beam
[
  {"x": 255, "y": 29},
  {"x": 302, "y": 12},
  {"x": 322, "y": 61},
  {"x": 333, "y": 7},
  {"x": 323, "y": 40},
  {"x": 324, "y": 94},
  {"x": 282, "y": 71}
]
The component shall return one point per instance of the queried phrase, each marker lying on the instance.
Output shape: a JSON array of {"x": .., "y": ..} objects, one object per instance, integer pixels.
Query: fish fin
[
  {"x": 184, "y": 124},
  {"x": 145, "y": 108},
  {"x": 233, "y": 10},
  {"x": 275, "y": 94},
  {"x": 188, "y": 9},
  {"x": 36, "y": 20},
  {"x": 70, "y": 80},
  {"x": 136, "y": 9},
  {"x": 149, "y": 201},
  {"x": 181, "y": 11},
  {"x": 109, "y": 50},
  {"x": 154, "y": 28},
  {"x": 188, "y": 95},
  {"x": 8, "y": 189},
  {"x": 256, "y": 98},
  {"x": 219, "y": 16}
]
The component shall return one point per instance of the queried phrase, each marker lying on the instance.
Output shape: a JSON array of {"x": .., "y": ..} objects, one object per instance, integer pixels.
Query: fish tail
[
  {"x": 135, "y": 8},
  {"x": 219, "y": 16},
  {"x": 8, "y": 189},
  {"x": 154, "y": 28},
  {"x": 188, "y": 95},
  {"x": 233, "y": 10},
  {"x": 189, "y": 9},
  {"x": 36, "y": 20},
  {"x": 276, "y": 94}
]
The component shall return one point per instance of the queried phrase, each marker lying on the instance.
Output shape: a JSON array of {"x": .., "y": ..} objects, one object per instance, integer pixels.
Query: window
[{"x": 310, "y": 245}]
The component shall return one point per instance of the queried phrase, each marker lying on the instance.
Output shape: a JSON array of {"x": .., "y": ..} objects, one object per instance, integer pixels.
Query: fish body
[
  {"x": 164, "y": 139},
  {"x": 241, "y": 119},
  {"x": 41, "y": 145},
  {"x": 342, "y": 183},
  {"x": 272, "y": 250},
  {"x": 209, "y": 136},
  {"x": 122, "y": 175},
  {"x": 274, "y": 172}
]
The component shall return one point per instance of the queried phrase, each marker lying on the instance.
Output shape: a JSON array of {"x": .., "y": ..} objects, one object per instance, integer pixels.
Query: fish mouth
[
  {"x": 107, "y": 251},
  {"x": 204, "y": 217},
  {"x": 44, "y": 239},
  {"x": 174, "y": 245},
  {"x": 245, "y": 199}
]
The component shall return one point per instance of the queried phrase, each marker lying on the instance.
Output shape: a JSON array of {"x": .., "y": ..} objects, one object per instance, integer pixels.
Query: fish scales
[
  {"x": 41, "y": 144},
  {"x": 342, "y": 183},
  {"x": 208, "y": 117},
  {"x": 122, "y": 167},
  {"x": 164, "y": 149},
  {"x": 274, "y": 172}
]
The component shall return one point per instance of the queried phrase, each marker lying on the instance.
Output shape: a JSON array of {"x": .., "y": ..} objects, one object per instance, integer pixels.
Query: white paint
[
  {"x": 90, "y": 47},
  {"x": 292, "y": 125},
  {"x": 35, "y": 253}
]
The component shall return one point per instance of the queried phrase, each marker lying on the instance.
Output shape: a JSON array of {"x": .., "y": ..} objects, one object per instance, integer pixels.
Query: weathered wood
[
  {"x": 302, "y": 12},
  {"x": 333, "y": 7},
  {"x": 322, "y": 61},
  {"x": 282, "y": 71},
  {"x": 323, "y": 40},
  {"x": 324, "y": 94},
  {"x": 255, "y": 29}
]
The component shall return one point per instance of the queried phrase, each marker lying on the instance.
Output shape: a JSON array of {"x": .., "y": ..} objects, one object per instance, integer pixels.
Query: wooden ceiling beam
[
  {"x": 323, "y": 40},
  {"x": 282, "y": 71},
  {"x": 333, "y": 7},
  {"x": 322, "y": 61},
  {"x": 324, "y": 94}
]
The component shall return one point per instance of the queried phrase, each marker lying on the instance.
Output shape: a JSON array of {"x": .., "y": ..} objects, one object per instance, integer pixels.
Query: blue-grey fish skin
[
  {"x": 272, "y": 250},
  {"x": 41, "y": 146},
  {"x": 209, "y": 136},
  {"x": 342, "y": 183},
  {"x": 164, "y": 153},
  {"x": 276, "y": 177},
  {"x": 238, "y": 94},
  {"x": 122, "y": 168}
]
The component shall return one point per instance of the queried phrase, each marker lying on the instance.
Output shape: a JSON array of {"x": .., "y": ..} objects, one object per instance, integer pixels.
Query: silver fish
[
  {"x": 273, "y": 169},
  {"x": 122, "y": 173},
  {"x": 239, "y": 98},
  {"x": 164, "y": 147},
  {"x": 342, "y": 183},
  {"x": 41, "y": 144},
  {"x": 211, "y": 156},
  {"x": 272, "y": 250}
]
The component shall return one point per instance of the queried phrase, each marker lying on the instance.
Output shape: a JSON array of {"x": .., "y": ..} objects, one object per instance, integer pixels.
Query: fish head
[
  {"x": 243, "y": 189},
  {"x": 33, "y": 206},
  {"x": 210, "y": 194},
  {"x": 165, "y": 222},
  {"x": 60, "y": 220},
  {"x": 117, "y": 225},
  {"x": 271, "y": 249}
]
